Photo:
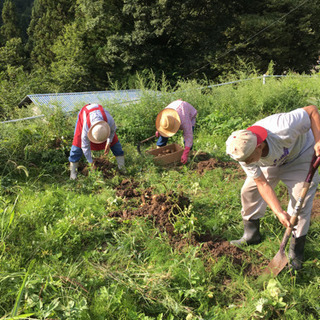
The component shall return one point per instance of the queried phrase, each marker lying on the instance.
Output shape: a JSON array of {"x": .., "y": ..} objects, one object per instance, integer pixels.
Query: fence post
[{"x": 264, "y": 79}]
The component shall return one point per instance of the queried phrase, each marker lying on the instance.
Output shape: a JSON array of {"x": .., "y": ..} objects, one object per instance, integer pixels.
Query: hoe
[{"x": 280, "y": 260}]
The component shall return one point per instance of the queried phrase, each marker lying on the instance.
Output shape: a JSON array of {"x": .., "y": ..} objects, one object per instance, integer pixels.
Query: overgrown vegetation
[
  {"x": 49, "y": 46},
  {"x": 70, "y": 249}
]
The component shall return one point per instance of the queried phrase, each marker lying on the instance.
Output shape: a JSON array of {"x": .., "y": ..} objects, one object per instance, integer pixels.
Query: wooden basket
[{"x": 167, "y": 154}]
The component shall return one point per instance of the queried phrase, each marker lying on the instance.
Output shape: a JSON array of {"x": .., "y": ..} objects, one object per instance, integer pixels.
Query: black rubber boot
[
  {"x": 251, "y": 233},
  {"x": 296, "y": 252}
]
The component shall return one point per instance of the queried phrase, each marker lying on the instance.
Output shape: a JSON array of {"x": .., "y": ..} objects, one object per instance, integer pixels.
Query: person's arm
[
  {"x": 315, "y": 125},
  {"x": 85, "y": 146},
  {"x": 85, "y": 142},
  {"x": 270, "y": 197},
  {"x": 111, "y": 124}
]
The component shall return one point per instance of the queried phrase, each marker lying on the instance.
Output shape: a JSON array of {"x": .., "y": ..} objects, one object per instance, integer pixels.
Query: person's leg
[
  {"x": 162, "y": 141},
  {"x": 117, "y": 149},
  {"x": 294, "y": 175},
  {"x": 119, "y": 154},
  {"x": 74, "y": 158},
  {"x": 253, "y": 207}
]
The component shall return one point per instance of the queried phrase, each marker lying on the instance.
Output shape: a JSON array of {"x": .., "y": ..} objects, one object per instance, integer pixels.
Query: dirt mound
[
  {"x": 217, "y": 247},
  {"x": 101, "y": 163},
  {"x": 164, "y": 210},
  {"x": 204, "y": 162},
  {"x": 161, "y": 209},
  {"x": 128, "y": 189}
]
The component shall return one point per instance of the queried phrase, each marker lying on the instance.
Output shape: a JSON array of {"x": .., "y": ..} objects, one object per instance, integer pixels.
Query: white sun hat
[{"x": 99, "y": 132}]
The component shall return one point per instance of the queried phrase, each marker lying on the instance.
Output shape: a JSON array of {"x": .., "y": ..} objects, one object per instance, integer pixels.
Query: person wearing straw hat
[
  {"x": 277, "y": 148},
  {"x": 95, "y": 129},
  {"x": 177, "y": 115}
]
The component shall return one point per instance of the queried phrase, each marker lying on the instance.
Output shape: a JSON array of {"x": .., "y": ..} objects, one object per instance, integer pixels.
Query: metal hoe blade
[
  {"x": 145, "y": 140},
  {"x": 277, "y": 264}
]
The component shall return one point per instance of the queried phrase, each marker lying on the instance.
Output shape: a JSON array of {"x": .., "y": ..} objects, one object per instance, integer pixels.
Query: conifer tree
[
  {"x": 12, "y": 50},
  {"x": 79, "y": 62},
  {"x": 9, "y": 28},
  {"x": 47, "y": 22}
]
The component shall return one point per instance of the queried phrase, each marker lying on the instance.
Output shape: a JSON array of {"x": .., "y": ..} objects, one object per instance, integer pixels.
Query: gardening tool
[
  {"x": 145, "y": 140},
  {"x": 280, "y": 260},
  {"x": 107, "y": 148}
]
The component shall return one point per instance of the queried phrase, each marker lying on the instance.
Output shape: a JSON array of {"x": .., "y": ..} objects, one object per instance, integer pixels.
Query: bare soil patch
[
  {"x": 204, "y": 162},
  {"x": 107, "y": 168},
  {"x": 163, "y": 210}
]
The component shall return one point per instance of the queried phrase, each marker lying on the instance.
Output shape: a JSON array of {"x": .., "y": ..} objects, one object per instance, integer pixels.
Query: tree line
[{"x": 79, "y": 45}]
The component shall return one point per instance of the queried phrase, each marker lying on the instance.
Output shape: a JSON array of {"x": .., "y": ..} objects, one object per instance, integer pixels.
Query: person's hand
[
  {"x": 107, "y": 148},
  {"x": 157, "y": 134},
  {"x": 184, "y": 157},
  {"x": 284, "y": 218},
  {"x": 317, "y": 148}
]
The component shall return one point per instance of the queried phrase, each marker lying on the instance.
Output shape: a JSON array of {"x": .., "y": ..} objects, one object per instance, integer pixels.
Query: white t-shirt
[{"x": 289, "y": 135}]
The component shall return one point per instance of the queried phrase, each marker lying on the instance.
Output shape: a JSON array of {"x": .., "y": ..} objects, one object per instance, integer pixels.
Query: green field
[{"x": 151, "y": 243}]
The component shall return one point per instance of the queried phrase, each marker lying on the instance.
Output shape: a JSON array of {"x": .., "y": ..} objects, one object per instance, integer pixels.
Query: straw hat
[
  {"x": 99, "y": 132},
  {"x": 168, "y": 122}
]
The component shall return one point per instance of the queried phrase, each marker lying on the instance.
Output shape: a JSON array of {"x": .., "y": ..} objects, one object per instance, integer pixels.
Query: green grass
[{"x": 63, "y": 257}]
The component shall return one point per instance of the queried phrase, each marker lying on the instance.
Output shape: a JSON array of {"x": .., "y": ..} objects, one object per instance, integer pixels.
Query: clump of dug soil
[
  {"x": 204, "y": 162},
  {"x": 101, "y": 163},
  {"x": 160, "y": 209},
  {"x": 163, "y": 210}
]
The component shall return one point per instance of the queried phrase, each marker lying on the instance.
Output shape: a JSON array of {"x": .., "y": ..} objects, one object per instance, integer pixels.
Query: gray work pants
[{"x": 293, "y": 176}]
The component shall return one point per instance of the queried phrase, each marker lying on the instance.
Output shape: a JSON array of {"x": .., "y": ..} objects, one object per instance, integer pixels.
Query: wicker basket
[{"x": 167, "y": 154}]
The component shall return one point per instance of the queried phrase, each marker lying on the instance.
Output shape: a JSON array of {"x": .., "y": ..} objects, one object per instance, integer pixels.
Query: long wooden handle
[
  {"x": 145, "y": 140},
  {"x": 315, "y": 162}
]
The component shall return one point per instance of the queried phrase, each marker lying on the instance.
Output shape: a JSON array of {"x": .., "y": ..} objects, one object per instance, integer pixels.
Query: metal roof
[{"x": 70, "y": 101}]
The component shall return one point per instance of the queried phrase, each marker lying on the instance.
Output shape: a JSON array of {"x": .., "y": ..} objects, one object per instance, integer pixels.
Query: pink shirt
[{"x": 187, "y": 114}]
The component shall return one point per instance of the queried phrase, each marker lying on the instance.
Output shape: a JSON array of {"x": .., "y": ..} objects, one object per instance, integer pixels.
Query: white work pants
[{"x": 293, "y": 176}]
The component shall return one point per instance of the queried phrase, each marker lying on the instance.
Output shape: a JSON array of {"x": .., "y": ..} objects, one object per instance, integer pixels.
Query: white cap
[{"x": 241, "y": 144}]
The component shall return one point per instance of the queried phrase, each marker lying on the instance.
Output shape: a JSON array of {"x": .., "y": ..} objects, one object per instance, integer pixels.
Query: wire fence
[{"x": 263, "y": 77}]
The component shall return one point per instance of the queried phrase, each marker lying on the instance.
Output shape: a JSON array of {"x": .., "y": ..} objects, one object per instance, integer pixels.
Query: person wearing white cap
[
  {"x": 95, "y": 129},
  {"x": 277, "y": 148},
  {"x": 177, "y": 115}
]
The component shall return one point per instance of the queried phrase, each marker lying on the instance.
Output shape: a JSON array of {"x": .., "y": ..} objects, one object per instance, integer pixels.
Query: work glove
[
  {"x": 184, "y": 157},
  {"x": 157, "y": 134}
]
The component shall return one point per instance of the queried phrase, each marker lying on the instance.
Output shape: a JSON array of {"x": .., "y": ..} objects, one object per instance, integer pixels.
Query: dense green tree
[
  {"x": 168, "y": 36},
  {"x": 116, "y": 39},
  {"x": 12, "y": 54},
  {"x": 79, "y": 60},
  {"x": 9, "y": 28},
  {"x": 69, "y": 69},
  {"x": 47, "y": 22},
  {"x": 23, "y": 9},
  {"x": 284, "y": 31},
  {"x": 83, "y": 44}
]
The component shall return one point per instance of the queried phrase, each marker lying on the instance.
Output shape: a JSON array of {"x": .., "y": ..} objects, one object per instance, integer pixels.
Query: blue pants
[
  {"x": 162, "y": 141},
  {"x": 76, "y": 152}
]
